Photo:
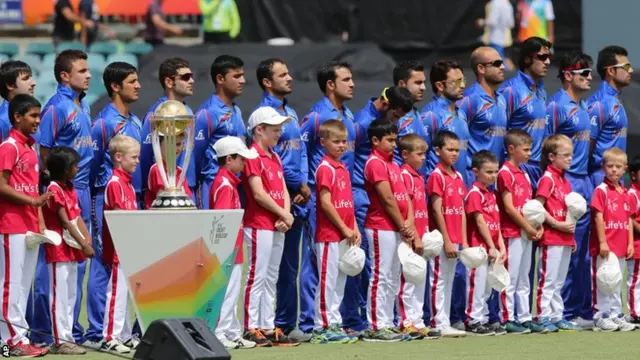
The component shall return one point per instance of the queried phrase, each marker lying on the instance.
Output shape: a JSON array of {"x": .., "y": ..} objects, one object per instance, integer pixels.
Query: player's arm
[
  {"x": 630, "y": 247},
  {"x": 483, "y": 229},
  {"x": 73, "y": 231},
  {"x": 473, "y": 207},
  {"x": 515, "y": 216},
  {"x": 201, "y": 143},
  {"x": 562, "y": 226},
  {"x": 332, "y": 214},
  {"x": 596, "y": 118},
  {"x": 287, "y": 198},
  {"x": 99, "y": 139},
  {"x": 263, "y": 199},
  {"x": 389, "y": 203},
  {"x": 438, "y": 216},
  {"x": 8, "y": 159},
  {"x": 51, "y": 123},
  {"x": 598, "y": 221},
  {"x": 305, "y": 191}
]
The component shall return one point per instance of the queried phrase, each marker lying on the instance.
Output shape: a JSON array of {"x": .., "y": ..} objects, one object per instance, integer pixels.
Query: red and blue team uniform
[
  {"x": 5, "y": 124},
  {"x": 214, "y": 120},
  {"x": 526, "y": 110},
  {"x": 411, "y": 123},
  {"x": 147, "y": 158},
  {"x": 436, "y": 116},
  {"x": 63, "y": 123},
  {"x": 565, "y": 116},
  {"x": 293, "y": 155},
  {"x": 487, "y": 121},
  {"x": 320, "y": 112},
  {"x": 609, "y": 123}
]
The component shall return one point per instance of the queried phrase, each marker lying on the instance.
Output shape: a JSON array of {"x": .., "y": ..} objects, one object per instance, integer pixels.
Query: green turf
[{"x": 585, "y": 345}]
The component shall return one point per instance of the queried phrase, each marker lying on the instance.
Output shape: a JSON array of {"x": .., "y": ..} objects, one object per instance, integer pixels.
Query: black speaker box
[{"x": 180, "y": 339}]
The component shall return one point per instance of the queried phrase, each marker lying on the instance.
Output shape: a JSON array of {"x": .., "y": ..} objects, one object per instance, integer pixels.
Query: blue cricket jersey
[
  {"x": 565, "y": 116},
  {"x": 290, "y": 148},
  {"x": 63, "y": 123},
  {"x": 108, "y": 124},
  {"x": 609, "y": 123},
  {"x": 411, "y": 123},
  {"x": 214, "y": 120},
  {"x": 320, "y": 112},
  {"x": 486, "y": 120},
  {"x": 526, "y": 109},
  {"x": 363, "y": 119},
  {"x": 5, "y": 124},
  {"x": 147, "y": 158},
  {"x": 436, "y": 116}
]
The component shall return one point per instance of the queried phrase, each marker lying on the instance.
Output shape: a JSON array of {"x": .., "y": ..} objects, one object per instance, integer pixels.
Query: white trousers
[
  {"x": 409, "y": 304},
  {"x": 384, "y": 282},
  {"x": 478, "y": 292},
  {"x": 612, "y": 304},
  {"x": 442, "y": 270},
  {"x": 633, "y": 284},
  {"x": 228, "y": 327},
  {"x": 63, "y": 289},
  {"x": 518, "y": 264},
  {"x": 554, "y": 265},
  {"x": 117, "y": 325},
  {"x": 265, "y": 253},
  {"x": 17, "y": 269},
  {"x": 331, "y": 283}
]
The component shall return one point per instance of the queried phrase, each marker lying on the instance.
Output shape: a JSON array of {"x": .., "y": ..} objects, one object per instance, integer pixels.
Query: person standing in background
[
  {"x": 156, "y": 26},
  {"x": 536, "y": 18},
  {"x": 64, "y": 22},
  {"x": 497, "y": 23},
  {"x": 88, "y": 10},
  {"x": 220, "y": 20}
]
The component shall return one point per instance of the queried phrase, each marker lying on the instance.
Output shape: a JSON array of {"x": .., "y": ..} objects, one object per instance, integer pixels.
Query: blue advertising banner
[{"x": 11, "y": 12}]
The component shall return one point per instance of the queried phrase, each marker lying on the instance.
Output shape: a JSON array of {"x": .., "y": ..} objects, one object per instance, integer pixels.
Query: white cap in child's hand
[
  {"x": 266, "y": 115},
  {"x": 414, "y": 266},
  {"x": 231, "y": 145},
  {"x": 352, "y": 258}
]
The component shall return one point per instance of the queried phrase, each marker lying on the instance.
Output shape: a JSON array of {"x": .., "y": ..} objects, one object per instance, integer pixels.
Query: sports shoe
[
  {"x": 25, "y": 351},
  {"x": 534, "y": 327},
  {"x": 115, "y": 346},
  {"x": 299, "y": 335},
  {"x": 278, "y": 338},
  {"x": 497, "y": 328},
  {"x": 95, "y": 345},
  {"x": 605, "y": 324},
  {"x": 229, "y": 345},
  {"x": 257, "y": 337},
  {"x": 451, "y": 332},
  {"x": 340, "y": 331},
  {"x": 413, "y": 332},
  {"x": 564, "y": 325},
  {"x": 514, "y": 328},
  {"x": 549, "y": 325},
  {"x": 327, "y": 336},
  {"x": 353, "y": 333},
  {"x": 431, "y": 334},
  {"x": 244, "y": 343},
  {"x": 405, "y": 337},
  {"x": 382, "y": 335},
  {"x": 459, "y": 325},
  {"x": 133, "y": 342},
  {"x": 67, "y": 349},
  {"x": 632, "y": 320},
  {"x": 583, "y": 323},
  {"x": 478, "y": 329},
  {"x": 43, "y": 351},
  {"x": 622, "y": 324}
]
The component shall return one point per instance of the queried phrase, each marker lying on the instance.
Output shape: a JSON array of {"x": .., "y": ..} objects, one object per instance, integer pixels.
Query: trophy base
[{"x": 173, "y": 200}]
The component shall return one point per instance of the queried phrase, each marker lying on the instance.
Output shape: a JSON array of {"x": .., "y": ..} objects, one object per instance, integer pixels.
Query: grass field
[{"x": 584, "y": 345}]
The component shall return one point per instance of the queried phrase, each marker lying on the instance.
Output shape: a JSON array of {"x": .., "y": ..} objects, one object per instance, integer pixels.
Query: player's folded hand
[
  {"x": 299, "y": 199},
  {"x": 41, "y": 200},
  {"x": 630, "y": 251},
  {"x": 281, "y": 226},
  {"x": 418, "y": 248},
  {"x": 288, "y": 220},
  {"x": 451, "y": 250},
  {"x": 604, "y": 250},
  {"x": 358, "y": 239},
  {"x": 88, "y": 251}
]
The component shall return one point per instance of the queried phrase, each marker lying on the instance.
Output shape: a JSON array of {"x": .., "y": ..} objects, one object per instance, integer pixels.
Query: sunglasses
[
  {"x": 581, "y": 72},
  {"x": 543, "y": 57},
  {"x": 457, "y": 82},
  {"x": 184, "y": 77},
  {"x": 494, "y": 63},
  {"x": 626, "y": 66}
]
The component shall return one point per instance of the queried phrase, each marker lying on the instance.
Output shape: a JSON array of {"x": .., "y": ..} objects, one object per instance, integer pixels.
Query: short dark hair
[
  {"x": 517, "y": 137},
  {"x": 381, "y": 127},
  {"x": 170, "y": 67},
  {"x": 116, "y": 73},
  {"x": 327, "y": 72},
  {"x": 403, "y": 70},
  {"x": 398, "y": 97},
  {"x": 573, "y": 60},
  {"x": 607, "y": 57},
  {"x": 634, "y": 165},
  {"x": 9, "y": 73},
  {"x": 439, "y": 71},
  {"x": 265, "y": 70},
  {"x": 60, "y": 160},
  {"x": 529, "y": 48},
  {"x": 223, "y": 64},
  {"x": 65, "y": 60},
  {"x": 22, "y": 104},
  {"x": 443, "y": 136},
  {"x": 482, "y": 157},
  {"x": 411, "y": 143},
  {"x": 222, "y": 160}
]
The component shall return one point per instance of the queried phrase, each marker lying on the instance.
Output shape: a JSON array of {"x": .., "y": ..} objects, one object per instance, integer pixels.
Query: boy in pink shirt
[
  {"x": 611, "y": 235},
  {"x": 446, "y": 191}
]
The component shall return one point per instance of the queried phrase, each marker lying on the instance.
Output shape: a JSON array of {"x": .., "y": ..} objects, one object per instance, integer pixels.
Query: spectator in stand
[
  {"x": 497, "y": 24},
  {"x": 220, "y": 20},
  {"x": 536, "y": 18},
  {"x": 65, "y": 20},
  {"x": 89, "y": 11},
  {"x": 156, "y": 26}
]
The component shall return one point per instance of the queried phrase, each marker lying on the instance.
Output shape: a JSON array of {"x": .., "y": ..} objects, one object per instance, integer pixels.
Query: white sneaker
[
  {"x": 115, "y": 346},
  {"x": 605, "y": 324},
  {"x": 583, "y": 323},
  {"x": 622, "y": 324},
  {"x": 95, "y": 345},
  {"x": 230, "y": 345},
  {"x": 459, "y": 325},
  {"x": 452, "y": 332},
  {"x": 133, "y": 342},
  {"x": 244, "y": 343}
]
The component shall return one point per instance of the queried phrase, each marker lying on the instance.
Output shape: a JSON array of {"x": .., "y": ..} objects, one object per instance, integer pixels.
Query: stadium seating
[
  {"x": 46, "y": 78},
  {"x": 128, "y": 58},
  {"x": 3, "y": 58},
  {"x": 32, "y": 60},
  {"x": 44, "y": 91},
  {"x": 37, "y": 48},
  {"x": 105, "y": 47},
  {"x": 138, "y": 48},
  {"x": 96, "y": 62},
  {"x": 9, "y": 49},
  {"x": 70, "y": 45}
]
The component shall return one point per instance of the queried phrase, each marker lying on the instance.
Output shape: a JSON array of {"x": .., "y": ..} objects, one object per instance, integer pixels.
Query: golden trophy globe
[{"x": 171, "y": 120}]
